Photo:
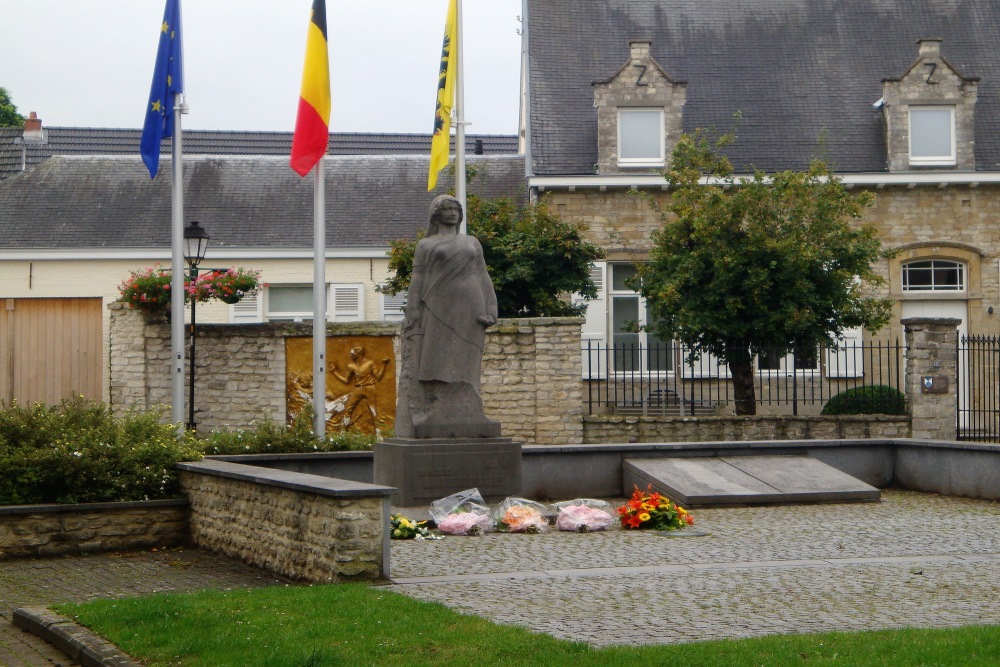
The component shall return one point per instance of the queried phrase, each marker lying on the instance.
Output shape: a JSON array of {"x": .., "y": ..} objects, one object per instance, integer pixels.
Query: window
[
  {"x": 799, "y": 360},
  {"x": 932, "y": 135},
  {"x": 289, "y": 303},
  {"x": 934, "y": 275},
  {"x": 634, "y": 350},
  {"x": 345, "y": 303},
  {"x": 640, "y": 137}
]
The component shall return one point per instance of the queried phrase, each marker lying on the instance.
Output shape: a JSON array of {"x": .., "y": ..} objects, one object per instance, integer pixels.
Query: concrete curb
[{"x": 74, "y": 640}]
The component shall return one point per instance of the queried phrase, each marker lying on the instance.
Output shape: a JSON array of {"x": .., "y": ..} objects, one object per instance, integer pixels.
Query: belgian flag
[
  {"x": 312, "y": 124},
  {"x": 441, "y": 140}
]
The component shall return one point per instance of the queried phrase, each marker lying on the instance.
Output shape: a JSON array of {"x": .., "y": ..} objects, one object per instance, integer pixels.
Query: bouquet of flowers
[
  {"x": 403, "y": 528},
  {"x": 583, "y": 515},
  {"x": 652, "y": 510},
  {"x": 518, "y": 515},
  {"x": 462, "y": 513}
]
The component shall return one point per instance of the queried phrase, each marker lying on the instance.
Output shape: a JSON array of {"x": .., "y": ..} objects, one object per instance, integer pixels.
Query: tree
[
  {"x": 746, "y": 265},
  {"x": 9, "y": 117},
  {"x": 533, "y": 258}
]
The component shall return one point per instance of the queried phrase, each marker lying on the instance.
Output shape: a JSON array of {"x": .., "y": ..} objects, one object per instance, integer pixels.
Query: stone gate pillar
[{"x": 932, "y": 376}]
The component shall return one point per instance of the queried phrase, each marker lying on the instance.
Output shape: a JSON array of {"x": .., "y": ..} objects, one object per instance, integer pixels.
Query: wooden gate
[{"x": 50, "y": 349}]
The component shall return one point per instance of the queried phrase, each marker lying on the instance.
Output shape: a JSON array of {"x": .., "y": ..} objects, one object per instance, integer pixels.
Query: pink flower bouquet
[
  {"x": 465, "y": 523},
  {"x": 583, "y": 515}
]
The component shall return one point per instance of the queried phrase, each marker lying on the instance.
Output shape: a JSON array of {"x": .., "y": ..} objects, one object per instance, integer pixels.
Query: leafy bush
[
  {"x": 872, "y": 400},
  {"x": 269, "y": 437},
  {"x": 78, "y": 451}
]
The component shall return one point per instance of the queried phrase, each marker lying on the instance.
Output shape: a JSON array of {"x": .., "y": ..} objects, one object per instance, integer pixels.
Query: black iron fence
[
  {"x": 978, "y": 391},
  {"x": 628, "y": 378}
]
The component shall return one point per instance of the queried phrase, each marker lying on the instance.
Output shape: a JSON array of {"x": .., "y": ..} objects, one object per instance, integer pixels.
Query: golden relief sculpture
[{"x": 360, "y": 382}]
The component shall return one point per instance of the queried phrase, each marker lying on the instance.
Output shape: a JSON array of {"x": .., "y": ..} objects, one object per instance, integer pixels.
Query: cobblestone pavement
[
  {"x": 912, "y": 560},
  {"x": 78, "y": 579}
]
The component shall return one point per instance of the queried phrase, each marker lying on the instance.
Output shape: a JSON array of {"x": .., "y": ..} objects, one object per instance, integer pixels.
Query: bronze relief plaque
[{"x": 360, "y": 382}]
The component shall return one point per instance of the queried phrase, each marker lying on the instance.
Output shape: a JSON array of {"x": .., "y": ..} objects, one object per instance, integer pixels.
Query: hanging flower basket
[
  {"x": 228, "y": 286},
  {"x": 148, "y": 290}
]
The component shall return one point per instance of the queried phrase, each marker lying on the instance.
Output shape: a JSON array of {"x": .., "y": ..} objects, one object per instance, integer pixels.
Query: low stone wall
[
  {"x": 302, "y": 526},
  {"x": 29, "y": 531},
  {"x": 530, "y": 378},
  {"x": 611, "y": 429}
]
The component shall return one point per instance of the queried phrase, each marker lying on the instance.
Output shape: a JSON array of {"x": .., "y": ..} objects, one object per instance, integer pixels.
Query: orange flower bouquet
[
  {"x": 517, "y": 515},
  {"x": 652, "y": 510}
]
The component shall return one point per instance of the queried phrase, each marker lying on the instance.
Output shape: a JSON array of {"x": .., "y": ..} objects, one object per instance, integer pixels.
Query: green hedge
[
  {"x": 876, "y": 399},
  {"x": 79, "y": 452}
]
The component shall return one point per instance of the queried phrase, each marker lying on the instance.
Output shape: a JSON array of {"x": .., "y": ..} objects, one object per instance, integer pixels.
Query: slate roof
[
  {"x": 109, "y": 141},
  {"x": 92, "y": 202},
  {"x": 796, "y": 69}
]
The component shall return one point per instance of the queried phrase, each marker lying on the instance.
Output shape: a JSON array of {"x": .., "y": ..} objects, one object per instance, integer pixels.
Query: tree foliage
[
  {"x": 534, "y": 258},
  {"x": 745, "y": 265},
  {"x": 9, "y": 117}
]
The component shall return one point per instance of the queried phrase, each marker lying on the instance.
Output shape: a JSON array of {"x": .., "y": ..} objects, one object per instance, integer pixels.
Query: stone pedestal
[{"x": 425, "y": 470}]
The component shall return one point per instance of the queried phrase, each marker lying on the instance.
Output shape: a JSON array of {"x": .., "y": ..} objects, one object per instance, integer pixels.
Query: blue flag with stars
[{"x": 167, "y": 81}]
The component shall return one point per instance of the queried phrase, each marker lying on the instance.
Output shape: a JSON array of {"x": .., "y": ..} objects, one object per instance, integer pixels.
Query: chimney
[
  {"x": 33, "y": 132},
  {"x": 929, "y": 47},
  {"x": 639, "y": 48}
]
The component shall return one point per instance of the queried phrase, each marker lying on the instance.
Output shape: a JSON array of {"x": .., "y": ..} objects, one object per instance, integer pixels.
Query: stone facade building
[{"x": 901, "y": 98}]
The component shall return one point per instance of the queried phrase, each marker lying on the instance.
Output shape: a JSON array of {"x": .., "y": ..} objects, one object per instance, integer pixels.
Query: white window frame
[
  {"x": 594, "y": 332},
  {"x": 285, "y": 316},
  {"x": 786, "y": 365},
  {"x": 934, "y": 287},
  {"x": 644, "y": 161},
  {"x": 949, "y": 159},
  {"x": 643, "y": 337}
]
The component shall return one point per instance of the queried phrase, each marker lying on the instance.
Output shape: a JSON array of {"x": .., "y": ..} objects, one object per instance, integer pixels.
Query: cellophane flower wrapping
[
  {"x": 462, "y": 513},
  {"x": 518, "y": 515},
  {"x": 466, "y": 523},
  {"x": 583, "y": 515}
]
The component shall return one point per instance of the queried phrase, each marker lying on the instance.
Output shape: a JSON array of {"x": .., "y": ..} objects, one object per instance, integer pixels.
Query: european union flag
[{"x": 167, "y": 81}]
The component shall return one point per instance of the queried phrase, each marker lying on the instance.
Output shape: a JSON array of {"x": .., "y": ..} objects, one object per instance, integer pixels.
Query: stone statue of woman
[{"x": 449, "y": 305}]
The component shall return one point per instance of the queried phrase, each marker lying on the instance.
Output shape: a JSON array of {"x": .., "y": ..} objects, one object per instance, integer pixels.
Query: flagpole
[
  {"x": 319, "y": 301},
  {"x": 460, "y": 120},
  {"x": 177, "y": 267}
]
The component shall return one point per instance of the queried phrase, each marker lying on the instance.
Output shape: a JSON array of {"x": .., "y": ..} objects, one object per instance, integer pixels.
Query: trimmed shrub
[
  {"x": 876, "y": 399},
  {"x": 269, "y": 437},
  {"x": 78, "y": 452}
]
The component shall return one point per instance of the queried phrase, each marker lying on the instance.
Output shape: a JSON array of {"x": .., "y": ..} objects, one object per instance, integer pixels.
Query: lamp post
[{"x": 195, "y": 245}]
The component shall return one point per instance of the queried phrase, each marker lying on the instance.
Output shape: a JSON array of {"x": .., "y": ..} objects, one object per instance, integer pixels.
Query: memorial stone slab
[{"x": 741, "y": 480}]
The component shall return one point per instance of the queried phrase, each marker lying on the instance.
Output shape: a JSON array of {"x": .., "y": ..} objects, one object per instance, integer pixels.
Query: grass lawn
[{"x": 354, "y": 624}]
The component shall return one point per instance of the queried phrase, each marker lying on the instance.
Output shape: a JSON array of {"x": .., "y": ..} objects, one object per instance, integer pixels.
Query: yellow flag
[{"x": 441, "y": 140}]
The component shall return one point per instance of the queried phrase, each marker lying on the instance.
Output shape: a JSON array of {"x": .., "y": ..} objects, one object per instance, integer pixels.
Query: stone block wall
[
  {"x": 613, "y": 429},
  {"x": 304, "y": 527},
  {"x": 531, "y": 379},
  {"x": 30, "y": 531},
  {"x": 530, "y": 383}
]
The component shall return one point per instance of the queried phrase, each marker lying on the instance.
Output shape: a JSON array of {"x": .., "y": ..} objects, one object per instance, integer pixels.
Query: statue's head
[
  {"x": 357, "y": 352},
  {"x": 439, "y": 201}
]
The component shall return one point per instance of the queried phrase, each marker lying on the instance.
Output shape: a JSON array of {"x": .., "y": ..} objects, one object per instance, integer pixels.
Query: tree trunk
[{"x": 741, "y": 369}]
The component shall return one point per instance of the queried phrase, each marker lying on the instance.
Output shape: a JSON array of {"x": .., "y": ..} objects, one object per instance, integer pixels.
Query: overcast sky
[{"x": 89, "y": 63}]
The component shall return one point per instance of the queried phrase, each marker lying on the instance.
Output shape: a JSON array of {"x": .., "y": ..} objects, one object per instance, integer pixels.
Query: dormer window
[
  {"x": 932, "y": 135},
  {"x": 638, "y": 114},
  {"x": 929, "y": 114},
  {"x": 640, "y": 137}
]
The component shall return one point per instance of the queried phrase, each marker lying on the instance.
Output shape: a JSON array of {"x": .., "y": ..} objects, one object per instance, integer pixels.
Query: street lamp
[{"x": 195, "y": 245}]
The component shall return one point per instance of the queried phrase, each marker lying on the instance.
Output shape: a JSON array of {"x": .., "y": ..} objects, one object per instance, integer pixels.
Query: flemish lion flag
[
  {"x": 441, "y": 140},
  {"x": 312, "y": 124}
]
